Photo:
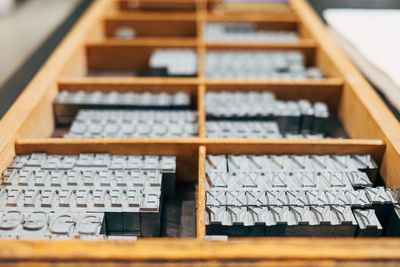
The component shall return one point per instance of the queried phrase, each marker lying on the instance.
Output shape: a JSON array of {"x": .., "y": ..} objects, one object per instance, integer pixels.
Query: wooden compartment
[
  {"x": 326, "y": 90},
  {"x": 126, "y": 57},
  {"x": 29, "y": 123},
  {"x": 153, "y": 25},
  {"x": 185, "y": 5}
]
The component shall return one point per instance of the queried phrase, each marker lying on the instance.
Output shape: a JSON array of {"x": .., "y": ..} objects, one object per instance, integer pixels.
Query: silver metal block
[{"x": 368, "y": 223}]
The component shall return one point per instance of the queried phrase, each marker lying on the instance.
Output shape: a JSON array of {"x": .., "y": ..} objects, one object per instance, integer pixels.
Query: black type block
[
  {"x": 257, "y": 230},
  {"x": 168, "y": 184},
  {"x": 216, "y": 229},
  {"x": 153, "y": 72},
  {"x": 150, "y": 224},
  {"x": 393, "y": 226},
  {"x": 131, "y": 223},
  {"x": 237, "y": 231},
  {"x": 114, "y": 222},
  {"x": 277, "y": 230}
]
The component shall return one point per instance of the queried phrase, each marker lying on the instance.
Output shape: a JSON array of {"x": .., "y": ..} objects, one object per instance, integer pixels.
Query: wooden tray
[{"x": 29, "y": 123}]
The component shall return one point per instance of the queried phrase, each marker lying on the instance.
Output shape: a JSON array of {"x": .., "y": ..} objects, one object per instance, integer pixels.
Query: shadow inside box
[
  {"x": 179, "y": 212},
  {"x": 150, "y": 72}
]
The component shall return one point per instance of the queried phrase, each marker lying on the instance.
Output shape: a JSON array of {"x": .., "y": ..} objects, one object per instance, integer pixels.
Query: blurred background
[{"x": 31, "y": 29}]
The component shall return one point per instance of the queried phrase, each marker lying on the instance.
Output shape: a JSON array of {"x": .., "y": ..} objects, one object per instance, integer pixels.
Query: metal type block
[
  {"x": 102, "y": 160},
  {"x": 368, "y": 223},
  {"x": 10, "y": 177},
  {"x": 277, "y": 220},
  {"x": 278, "y": 162},
  {"x": 395, "y": 195},
  {"x": 379, "y": 195},
  {"x": 40, "y": 178},
  {"x": 256, "y": 198},
  {"x": 73, "y": 177},
  {"x": 62, "y": 225},
  {"x": 57, "y": 178},
  {"x": 233, "y": 218},
  {"x": 122, "y": 238},
  {"x": 297, "y": 198},
  {"x": 68, "y": 162},
  {"x": 333, "y": 180},
  {"x": 150, "y": 216},
  {"x": 307, "y": 116},
  {"x": 114, "y": 222},
  {"x": 217, "y": 180},
  {"x": 11, "y": 224},
  {"x": 245, "y": 180},
  {"x": 105, "y": 178},
  {"x": 304, "y": 180},
  {"x": 48, "y": 198},
  {"x": 276, "y": 180},
  {"x": 366, "y": 163},
  {"x": 90, "y": 226},
  {"x": 213, "y": 221},
  {"x": 217, "y": 238},
  {"x": 19, "y": 162},
  {"x": 216, "y": 198},
  {"x": 15, "y": 197},
  {"x": 3, "y": 197},
  {"x": 343, "y": 222},
  {"x": 125, "y": 33},
  {"x": 36, "y": 160},
  {"x": 53, "y": 162},
  {"x": 393, "y": 226},
  {"x": 298, "y": 222},
  {"x": 337, "y": 198},
  {"x": 31, "y": 198},
  {"x": 234, "y": 198},
  {"x": 321, "y": 115},
  {"x": 35, "y": 225},
  {"x": 359, "y": 179},
  {"x": 216, "y": 163},
  {"x": 381, "y": 200},
  {"x": 134, "y": 163},
  {"x": 151, "y": 163},
  {"x": 320, "y": 162},
  {"x": 276, "y": 198},
  {"x": 66, "y": 198},
  {"x": 298, "y": 163},
  {"x": 83, "y": 197},
  {"x": 320, "y": 220},
  {"x": 358, "y": 199},
  {"x": 316, "y": 198},
  {"x": 118, "y": 162}
]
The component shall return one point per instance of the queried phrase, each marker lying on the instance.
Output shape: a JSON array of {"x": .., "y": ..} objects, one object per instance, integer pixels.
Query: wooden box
[{"x": 90, "y": 46}]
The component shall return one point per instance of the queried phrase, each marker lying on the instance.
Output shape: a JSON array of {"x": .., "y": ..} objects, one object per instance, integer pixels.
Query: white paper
[{"x": 375, "y": 35}]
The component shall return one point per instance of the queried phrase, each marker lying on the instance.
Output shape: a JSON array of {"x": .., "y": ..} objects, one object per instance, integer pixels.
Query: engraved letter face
[
  {"x": 62, "y": 224},
  {"x": 11, "y": 220},
  {"x": 89, "y": 224},
  {"x": 36, "y": 221}
]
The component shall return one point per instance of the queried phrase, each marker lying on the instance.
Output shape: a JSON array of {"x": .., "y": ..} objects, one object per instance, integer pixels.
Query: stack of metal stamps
[
  {"x": 297, "y": 195},
  {"x": 285, "y": 65},
  {"x": 68, "y": 104},
  {"x": 134, "y": 124},
  {"x": 230, "y": 32},
  {"x": 176, "y": 62},
  {"x": 261, "y": 115},
  {"x": 86, "y": 196}
]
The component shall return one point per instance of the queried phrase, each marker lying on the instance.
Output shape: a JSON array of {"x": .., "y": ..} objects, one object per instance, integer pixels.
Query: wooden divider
[
  {"x": 201, "y": 111},
  {"x": 201, "y": 195}
]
